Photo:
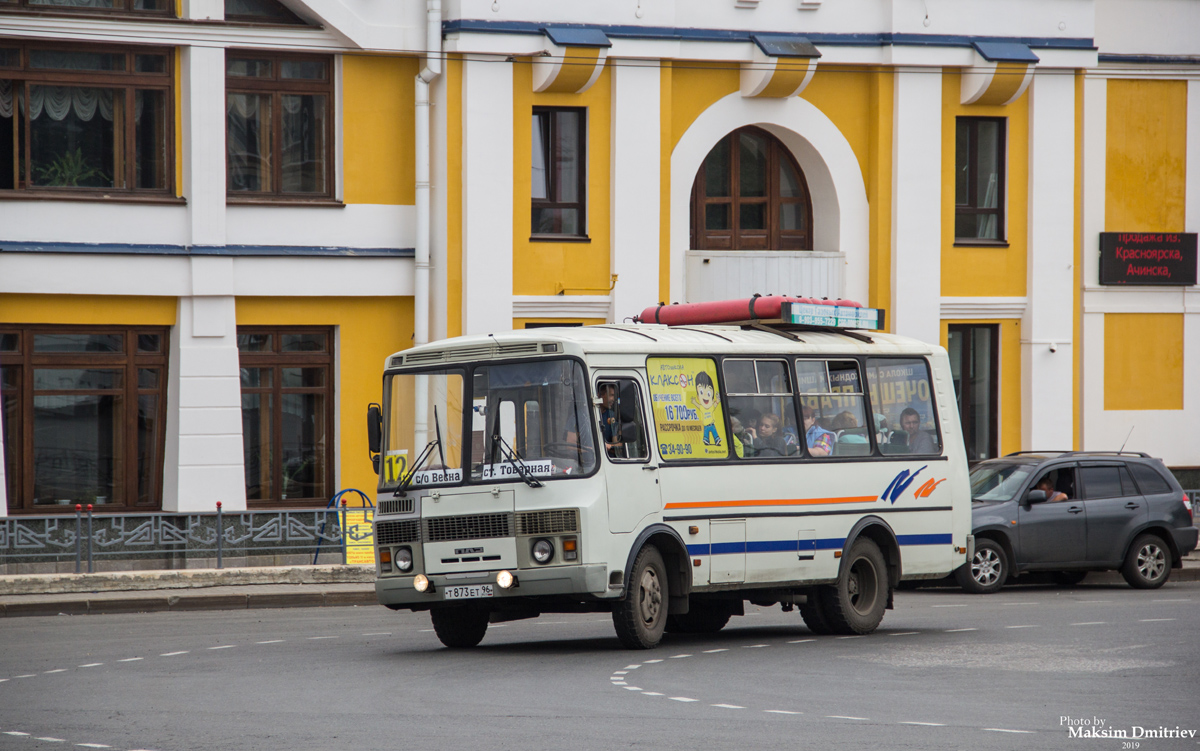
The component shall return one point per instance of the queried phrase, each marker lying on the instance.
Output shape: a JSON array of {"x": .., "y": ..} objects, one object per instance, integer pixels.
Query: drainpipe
[{"x": 430, "y": 71}]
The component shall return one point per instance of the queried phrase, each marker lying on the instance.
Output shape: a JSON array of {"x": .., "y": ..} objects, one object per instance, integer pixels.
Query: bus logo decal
[
  {"x": 927, "y": 489},
  {"x": 900, "y": 484}
]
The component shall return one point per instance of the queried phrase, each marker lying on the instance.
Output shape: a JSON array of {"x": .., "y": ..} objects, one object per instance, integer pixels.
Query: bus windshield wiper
[
  {"x": 424, "y": 457},
  {"x": 511, "y": 457}
]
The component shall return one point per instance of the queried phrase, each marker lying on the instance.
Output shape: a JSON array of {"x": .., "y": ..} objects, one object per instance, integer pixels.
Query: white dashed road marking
[
  {"x": 781, "y": 711},
  {"x": 59, "y": 670},
  {"x": 131, "y": 659},
  {"x": 754, "y": 646},
  {"x": 1154, "y": 620},
  {"x": 50, "y": 740},
  {"x": 652, "y": 693},
  {"x": 801, "y": 641},
  {"x": 1007, "y": 730},
  {"x": 958, "y": 630},
  {"x": 926, "y": 724},
  {"x": 1021, "y": 627},
  {"x": 92, "y": 665},
  {"x": 679, "y": 657},
  {"x": 173, "y": 654},
  {"x": 224, "y": 646},
  {"x": 846, "y": 717},
  {"x": 714, "y": 651},
  {"x": 904, "y": 633},
  {"x": 632, "y": 688},
  {"x": 1090, "y": 623},
  {"x": 727, "y": 706},
  {"x": 948, "y": 606},
  {"x": 380, "y": 633},
  {"x": 269, "y": 641},
  {"x": 14, "y": 732},
  {"x": 681, "y": 698}
]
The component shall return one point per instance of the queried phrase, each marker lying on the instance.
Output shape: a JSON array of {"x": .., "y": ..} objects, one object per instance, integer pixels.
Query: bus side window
[
  {"x": 622, "y": 426},
  {"x": 762, "y": 411},
  {"x": 905, "y": 420},
  {"x": 831, "y": 393}
]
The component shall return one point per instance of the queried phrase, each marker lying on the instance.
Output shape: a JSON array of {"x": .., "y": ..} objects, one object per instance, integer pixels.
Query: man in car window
[
  {"x": 919, "y": 441},
  {"x": 610, "y": 424},
  {"x": 1047, "y": 485}
]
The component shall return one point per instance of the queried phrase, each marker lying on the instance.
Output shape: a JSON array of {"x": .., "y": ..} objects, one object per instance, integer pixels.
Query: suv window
[
  {"x": 1149, "y": 480},
  {"x": 1107, "y": 482}
]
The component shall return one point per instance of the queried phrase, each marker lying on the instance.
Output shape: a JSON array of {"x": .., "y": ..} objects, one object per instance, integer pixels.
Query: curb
[{"x": 186, "y": 603}]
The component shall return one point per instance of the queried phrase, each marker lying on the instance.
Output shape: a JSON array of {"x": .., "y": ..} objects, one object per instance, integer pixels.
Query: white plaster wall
[
  {"x": 487, "y": 133},
  {"x": 93, "y": 222},
  {"x": 171, "y": 276},
  {"x": 917, "y": 205},
  {"x": 1047, "y": 359},
  {"x": 634, "y": 189},
  {"x": 839, "y": 196},
  {"x": 203, "y": 96},
  {"x": 978, "y": 17},
  {"x": 356, "y": 225},
  {"x": 1147, "y": 27}
]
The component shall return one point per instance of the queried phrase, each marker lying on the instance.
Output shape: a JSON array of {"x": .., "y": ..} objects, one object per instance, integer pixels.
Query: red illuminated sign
[{"x": 1162, "y": 258}]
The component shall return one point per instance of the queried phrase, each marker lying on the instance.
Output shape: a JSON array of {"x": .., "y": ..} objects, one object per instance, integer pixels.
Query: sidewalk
[
  {"x": 250, "y": 588},
  {"x": 192, "y": 589}
]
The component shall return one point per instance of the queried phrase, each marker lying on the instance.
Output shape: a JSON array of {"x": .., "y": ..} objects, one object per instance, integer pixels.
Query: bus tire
[
  {"x": 812, "y": 610},
  {"x": 459, "y": 627},
  {"x": 701, "y": 618},
  {"x": 641, "y": 617},
  {"x": 856, "y": 603}
]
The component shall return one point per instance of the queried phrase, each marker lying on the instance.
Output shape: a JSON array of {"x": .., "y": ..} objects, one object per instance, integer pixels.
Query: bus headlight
[
  {"x": 543, "y": 550},
  {"x": 421, "y": 583},
  {"x": 404, "y": 559}
]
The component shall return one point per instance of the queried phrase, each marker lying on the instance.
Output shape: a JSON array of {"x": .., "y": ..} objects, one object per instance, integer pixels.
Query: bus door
[{"x": 632, "y": 479}]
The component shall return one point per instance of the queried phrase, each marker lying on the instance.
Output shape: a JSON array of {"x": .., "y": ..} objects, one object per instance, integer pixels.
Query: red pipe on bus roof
[{"x": 729, "y": 311}]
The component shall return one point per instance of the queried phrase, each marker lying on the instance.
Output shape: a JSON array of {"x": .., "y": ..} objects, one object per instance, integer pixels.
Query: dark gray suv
[{"x": 1073, "y": 512}]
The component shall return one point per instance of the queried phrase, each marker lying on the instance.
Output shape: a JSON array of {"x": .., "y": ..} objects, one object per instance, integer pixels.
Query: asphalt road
[{"x": 946, "y": 671}]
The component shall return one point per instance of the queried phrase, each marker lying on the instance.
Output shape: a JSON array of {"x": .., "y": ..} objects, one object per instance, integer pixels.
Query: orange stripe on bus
[{"x": 775, "y": 502}]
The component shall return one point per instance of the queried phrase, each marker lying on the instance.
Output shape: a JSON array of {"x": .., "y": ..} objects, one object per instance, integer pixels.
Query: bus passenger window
[
  {"x": 834, "y": 408},
  {"x": 905, "y": 422},
  {"x": 621, "y": 425},
  {"x": 762, "y": 412}
]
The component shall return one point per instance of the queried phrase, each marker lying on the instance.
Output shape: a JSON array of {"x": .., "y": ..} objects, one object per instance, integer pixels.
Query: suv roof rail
[{"x": 1141, "y": 454}]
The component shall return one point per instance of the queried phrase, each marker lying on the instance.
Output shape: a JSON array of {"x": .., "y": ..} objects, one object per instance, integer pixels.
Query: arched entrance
[
  {"x": 837, "y": 265},
  {"x": 750, "y": 195}
]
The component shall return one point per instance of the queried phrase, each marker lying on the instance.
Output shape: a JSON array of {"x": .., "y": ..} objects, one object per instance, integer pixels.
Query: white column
[
  {"x": 917, "y": 204},
  {"x": 204, "y": 10},
  {"x": 487, "y": 232},
  {"x": 204, "y": 410},
  {"x": 1047, "y": 372},
  {"x": 203, "y": 76},
  {"x": 1191, "y": 221},
  {"x": 634, "y": 189}
]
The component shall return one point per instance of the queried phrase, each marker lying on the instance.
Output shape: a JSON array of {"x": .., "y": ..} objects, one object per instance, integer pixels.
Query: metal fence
[
  {"x": 171, "y": 540},
  {"x": 1195, "y": 496}
]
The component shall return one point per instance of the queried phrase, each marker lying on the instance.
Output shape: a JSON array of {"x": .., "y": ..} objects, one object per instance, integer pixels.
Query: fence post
[
  {"x": 89, "y": 538},
  {"x": 220, "y": 533},
  {"x": 78, "y": 539},
  {"x": 342, "y": 532}
]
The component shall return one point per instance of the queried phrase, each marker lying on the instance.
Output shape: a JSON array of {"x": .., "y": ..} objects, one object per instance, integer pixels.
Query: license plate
[{"x": 466, "y": 592}]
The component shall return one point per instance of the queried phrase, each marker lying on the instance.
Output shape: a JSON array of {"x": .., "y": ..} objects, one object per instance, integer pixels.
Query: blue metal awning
[
  {"x": 571, "y": 36},
  {"x": 1005, "y": 52},
  {"x": 785, "y": 45}
]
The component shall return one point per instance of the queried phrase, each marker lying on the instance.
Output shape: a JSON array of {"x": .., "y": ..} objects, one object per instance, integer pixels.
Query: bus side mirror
[{"x": 374, "y": 433}]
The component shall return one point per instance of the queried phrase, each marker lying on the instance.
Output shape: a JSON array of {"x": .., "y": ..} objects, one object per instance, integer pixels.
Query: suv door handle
[
  {"x": 649, "y": 467},
  {"x": 1075, "y": 510},
  {"x": 1131, "y": 505}
]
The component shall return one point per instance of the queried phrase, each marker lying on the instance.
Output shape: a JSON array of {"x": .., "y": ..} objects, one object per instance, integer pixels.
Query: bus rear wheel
[
  {"x": 813, "y": 611},
  {"x": 641, "y": 617},
  {"x": 459, "y": 627},
  {"x": 856, "y": 603}
]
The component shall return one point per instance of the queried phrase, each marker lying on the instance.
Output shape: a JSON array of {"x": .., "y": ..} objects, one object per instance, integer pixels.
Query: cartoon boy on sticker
[{"x": 707, "y": 400}]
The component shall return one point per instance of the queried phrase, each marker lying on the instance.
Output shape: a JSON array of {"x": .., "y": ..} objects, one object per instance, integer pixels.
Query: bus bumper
[{"x": 559, "y": 580}]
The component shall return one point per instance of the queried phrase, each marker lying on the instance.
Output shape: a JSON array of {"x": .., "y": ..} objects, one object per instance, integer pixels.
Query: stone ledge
[{"x": 127, "y": 581}]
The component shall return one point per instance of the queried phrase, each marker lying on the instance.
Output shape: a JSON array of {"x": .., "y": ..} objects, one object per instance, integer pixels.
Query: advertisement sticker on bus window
[{"x": 687, "y": 408}]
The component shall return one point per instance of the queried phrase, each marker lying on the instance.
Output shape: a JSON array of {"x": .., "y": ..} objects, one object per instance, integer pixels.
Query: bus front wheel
[
  {"x": 459, "y": 627},
  {"x": 856, "y": 603},
  {"x": 642, "y": 616}
]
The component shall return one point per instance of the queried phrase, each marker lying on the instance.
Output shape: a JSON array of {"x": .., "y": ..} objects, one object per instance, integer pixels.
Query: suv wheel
[
  {"x": 1148, "y": 563},
  {"x": 986, "y": 571}
]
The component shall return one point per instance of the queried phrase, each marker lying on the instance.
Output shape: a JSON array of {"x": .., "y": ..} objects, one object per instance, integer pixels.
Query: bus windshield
[
  {"x": 413, "y": 402},
  {"x": 998, "y": 481},
  {"x": 531, "y": 418}
]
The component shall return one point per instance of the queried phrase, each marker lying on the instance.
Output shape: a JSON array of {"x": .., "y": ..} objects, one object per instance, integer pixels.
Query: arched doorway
[{"x": 750, "y": 194}]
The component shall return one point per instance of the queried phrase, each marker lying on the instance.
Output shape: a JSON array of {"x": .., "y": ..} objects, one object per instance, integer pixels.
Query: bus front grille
[
  {"x": 474, "y": 527},
  {"x": 554, "y": 522},
  {"x": 392, "y": 533},
  {"x": 396, "y": 506}
]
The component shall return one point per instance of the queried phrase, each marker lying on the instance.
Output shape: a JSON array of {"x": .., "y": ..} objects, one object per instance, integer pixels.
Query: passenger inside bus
[{"x": 820, "y": 441}]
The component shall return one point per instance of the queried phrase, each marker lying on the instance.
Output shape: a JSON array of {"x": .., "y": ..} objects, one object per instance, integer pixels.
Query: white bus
[{"x": 665, "y": 474}]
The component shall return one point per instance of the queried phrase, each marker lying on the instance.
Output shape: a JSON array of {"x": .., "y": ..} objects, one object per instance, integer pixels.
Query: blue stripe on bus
[{"x": 795, "y": 546}]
